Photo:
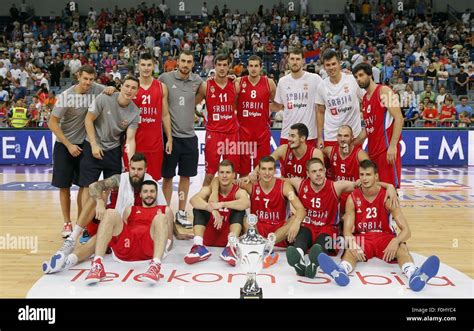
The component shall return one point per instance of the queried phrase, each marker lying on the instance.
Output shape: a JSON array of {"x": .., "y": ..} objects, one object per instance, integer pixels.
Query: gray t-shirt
[
  {"x": 181, "y": 102},
  {"x": 71, "y": 108},
  {"x": 112, "y": 120}
]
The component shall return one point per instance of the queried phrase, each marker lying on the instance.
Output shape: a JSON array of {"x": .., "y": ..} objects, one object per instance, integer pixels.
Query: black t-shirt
[
  {"x": 311, "y": 68},
  {"x": 462, "y": 77}
]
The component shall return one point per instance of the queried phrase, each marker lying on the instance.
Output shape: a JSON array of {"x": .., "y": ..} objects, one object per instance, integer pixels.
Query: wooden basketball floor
[{"x": 438, "y": 203}]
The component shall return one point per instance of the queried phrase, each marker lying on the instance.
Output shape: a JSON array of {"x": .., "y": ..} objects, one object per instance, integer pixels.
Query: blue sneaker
[
  {"x": 332, "y": 269},
  {"x": 423, "y": 274},
  {"x": 84, "y": 238},
  {"x": 228, "y": 256},
  {"x": 198, "y": 253}
]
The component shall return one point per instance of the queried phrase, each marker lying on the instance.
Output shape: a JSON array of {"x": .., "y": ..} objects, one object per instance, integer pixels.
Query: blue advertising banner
[
  {"x": 419, "y": 147},
  {"x": 26, "y": 147}
]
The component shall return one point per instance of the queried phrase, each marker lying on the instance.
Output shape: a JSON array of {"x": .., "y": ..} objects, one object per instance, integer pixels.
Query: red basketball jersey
[
  {"x": 345, "y": 169},
  {"x": 114, "y": 196},
  {"x": 322, "y": 208},
  {"x": 220, "y": 107},
  {"x": 253, "y": 107},
  {"x": 225, "y": 212},
  {"x": 291, "y": 166},
  {"x": 149, "y": 136},
  {"x": 269, "y": 207},
  {"x": 142, "y": 216},
  {"x": 371, "y": 216},
  {"x": 378, "y": 123}
]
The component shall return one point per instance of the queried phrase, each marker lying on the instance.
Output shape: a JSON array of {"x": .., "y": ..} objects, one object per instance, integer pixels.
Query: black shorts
[
  {"x": 91, "y": 168},
  {"x": 66, "y": 168},
  {"x": 185, "y": 155},
  {"x": 202, "y": 217}
]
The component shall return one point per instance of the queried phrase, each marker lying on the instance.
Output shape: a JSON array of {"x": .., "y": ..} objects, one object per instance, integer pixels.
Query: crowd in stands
[{"x": 423, "y": 57}]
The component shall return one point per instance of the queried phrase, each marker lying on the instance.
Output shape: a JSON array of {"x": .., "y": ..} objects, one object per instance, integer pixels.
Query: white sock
[
  {"x": 76, "y": 232},
  {"x": 198, "y": 240},
  {"x": 408, "y": 269},
  {"x": 71, "y": 260},
  {"x": 157, "y": 260},
  {"x": 182, "y": 212},
  {"x": 168, "y": 245},
  {"x": 346, "y": 266}
]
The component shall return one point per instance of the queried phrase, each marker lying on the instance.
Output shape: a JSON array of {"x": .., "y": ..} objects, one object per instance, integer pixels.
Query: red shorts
[
  {"x": 316, "y": 231},
  {"x": 374, "y": 243},
  {"x": 214, "y": 237},
  {"x": 219, "y": 144},
  {"x": 134, "y": 243},
  {"x": 154, "y": 161},
  {"x": 263, "y": 149},
  {"x": 264, "y": 229},
  {"x": 388, "y": 173},
  {"x": 309, "y": 142}
]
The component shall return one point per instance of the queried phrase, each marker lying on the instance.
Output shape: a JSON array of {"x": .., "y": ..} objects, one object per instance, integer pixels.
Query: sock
[
  {"x": 182, "y": 212},
  {"x": 98, "y": 258},
  {"x": 408, "y": 269},
  {"x": 157, "y": 260},
  {"x": 168, "y": 245},
  {"x": 346, "y": 266},
  {"x": 76, "y": 232},
  {"x": 198, "y": 241},
  {"x": 71, "y": 260}
]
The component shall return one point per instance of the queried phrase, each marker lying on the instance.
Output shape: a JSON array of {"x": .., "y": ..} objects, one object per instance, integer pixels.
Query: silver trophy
[{"x": 251, "y": 249}]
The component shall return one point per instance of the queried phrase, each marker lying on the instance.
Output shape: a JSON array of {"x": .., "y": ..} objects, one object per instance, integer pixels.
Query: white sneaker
[
  {"x": 67, "y": 230},
  {"x": 68, "y": 246},
  {"x": 182, "y": 219}
]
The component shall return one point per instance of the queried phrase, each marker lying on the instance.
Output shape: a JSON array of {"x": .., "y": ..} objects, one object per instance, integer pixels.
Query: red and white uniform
[
  {"x": 212, "y": 236},
  {"x": 341, "y": 101},
  {"x": 344, "y": 169},
  {"x": 379, "y": 128},
  {"x": 221, "y": 126},
  {"x": 253, "y": 112},
  {"x": 374, "y": 227},
  {"x": 291, "y": 166},
  {"x": 149, "y": 136},
  {"x": 322, "y": 208},
  {"x": 270, "y": 208},
  {"x": 134, "y": 243}
]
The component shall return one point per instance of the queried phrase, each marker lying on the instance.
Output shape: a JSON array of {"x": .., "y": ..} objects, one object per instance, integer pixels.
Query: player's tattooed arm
[{"x": 96, "y": 189}]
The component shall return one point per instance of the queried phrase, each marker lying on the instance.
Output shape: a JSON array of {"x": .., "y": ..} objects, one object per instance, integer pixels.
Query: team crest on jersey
[
  {"x": 358, "y": 202},
  {"x": 290, "y": 157},
  {"x": 305, "y": 87},
  {"x": 244, "y": 84},
  {"x": 333, "y": 111},
  {"x": 257, "y": 191},
  {"x": 305, "y": 190},
  {"x": 346, "y": 89}
]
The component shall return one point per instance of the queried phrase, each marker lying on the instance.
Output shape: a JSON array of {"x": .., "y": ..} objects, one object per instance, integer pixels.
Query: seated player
[
  {"x": 344, "y": 160},
  {"x": 214, "y": 221},
  {"x": 124, "y": 191},
  {"x": 269, "y": 198},
  {"x": 294, "y": 155},
  {"x": 140, "y": 235},
  {"x": 319, "y": 230},
  {"x": 369, "y": 232}
]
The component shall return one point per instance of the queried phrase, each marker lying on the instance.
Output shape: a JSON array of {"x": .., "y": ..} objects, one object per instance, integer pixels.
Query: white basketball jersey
[{"x": 342, "y": 102}]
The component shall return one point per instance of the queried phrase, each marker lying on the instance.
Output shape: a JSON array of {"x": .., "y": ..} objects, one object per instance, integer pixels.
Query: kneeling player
[
  {"x": 319, "y": 230},
  {"x": 369, "y": 233},
  {"x": 214, "y": 221},
  {"x": 140, "y": 235}
]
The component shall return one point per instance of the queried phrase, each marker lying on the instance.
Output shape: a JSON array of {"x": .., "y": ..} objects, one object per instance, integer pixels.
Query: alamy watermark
[{"x": 12, "y": 242}]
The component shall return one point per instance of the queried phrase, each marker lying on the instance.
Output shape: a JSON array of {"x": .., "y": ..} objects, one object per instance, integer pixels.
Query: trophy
[{"x": 251, "y": 249}]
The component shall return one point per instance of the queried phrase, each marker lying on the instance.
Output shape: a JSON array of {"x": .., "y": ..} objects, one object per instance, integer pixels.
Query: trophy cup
[{"x": 251, "y": 249}]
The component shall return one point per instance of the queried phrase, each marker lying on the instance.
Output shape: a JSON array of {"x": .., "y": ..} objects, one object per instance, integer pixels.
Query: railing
[
  {"x": 453, "y": 14},
  {"x": 350, "y": 26}
]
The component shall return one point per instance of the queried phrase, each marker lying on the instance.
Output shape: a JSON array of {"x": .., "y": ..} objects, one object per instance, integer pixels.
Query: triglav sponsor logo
[
  {"x": 11, "y": 242},
  {"x": 37, "y": 314}
]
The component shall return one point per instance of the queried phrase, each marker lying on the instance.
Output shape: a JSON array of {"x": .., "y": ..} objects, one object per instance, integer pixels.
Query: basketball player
[
  {"x": 222, "y": 134},
  {"x": 269, "y": 198},
  {"x": 214, "y": 221},
  {"x": 383, "y": 125},
  {"x": 369, "y": 232},
  {"x": 253, "y": 113},
  {"x": 140, "y": 234},
  {"x": 182, "y": 86},
  {"x": 107, "y": 119},
  {"x": 83, "y": 252},
  {"x": 152, "y": 99},
  {"x": 319, "y": 230},
  {"x": 296, "y": 96},
  {"x": 344, "y": 160},
  {"x": 337, "y": 99},
  {"x": 123, "y": 188},
  {"x": 67, "y": 124},
  {"x": 294, "y": 154}
]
